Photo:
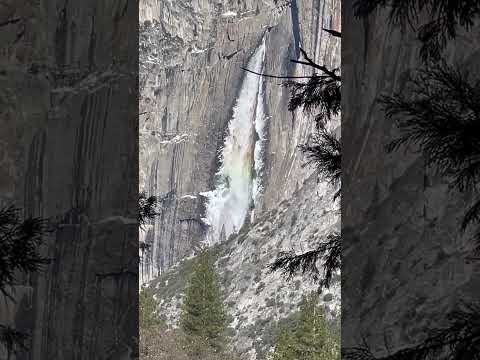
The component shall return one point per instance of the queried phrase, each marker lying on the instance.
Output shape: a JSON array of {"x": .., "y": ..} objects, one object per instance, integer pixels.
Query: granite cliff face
[
  {"x": 68, "y": 145},
  {"x": 192, "y": 90},
  {"x": 407, "y": 259},
  {"x": 218, "y": 146}
]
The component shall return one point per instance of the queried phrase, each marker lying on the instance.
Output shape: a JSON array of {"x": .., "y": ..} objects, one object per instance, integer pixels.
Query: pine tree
[
  {"x": 315, "y": 340},
  {"x": 284, "y": 348},
  {"x": 203, "y": 316},
  {"x": 311, "y": 339},
  {"x": 148, "y": 316},
  {"x": 147, "y": 208}
]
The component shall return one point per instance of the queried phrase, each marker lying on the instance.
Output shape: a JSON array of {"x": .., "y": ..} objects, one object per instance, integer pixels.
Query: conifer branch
[
  {"x": 147, "y": 208},
  {"x": 442, "y": 118},
  {"x": 13, "y": 340},
  {"x": 443, "y": 19},
  {"x": 459, "y": 340},
  {"x": 333, "y": 32},
  {"x": 277, "y": 76},
  {"x": 328, "y": 252},
  {"x": 19, "y": 243},
  {"x": 324, "y": 153}
]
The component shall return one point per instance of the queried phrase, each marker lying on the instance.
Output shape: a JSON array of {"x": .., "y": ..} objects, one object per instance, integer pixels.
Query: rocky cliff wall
[
  {"x": 68, "y": 145},
  {"x": 405, "y": 261},
  {"x": 190, "y": 78}
]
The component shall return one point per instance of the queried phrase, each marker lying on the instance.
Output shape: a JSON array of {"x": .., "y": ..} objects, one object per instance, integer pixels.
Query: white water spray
[{"x": 236, "y": 187}]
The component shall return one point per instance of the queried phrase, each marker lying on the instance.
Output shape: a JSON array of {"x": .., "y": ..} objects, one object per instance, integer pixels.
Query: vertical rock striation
[
  {"x": 400, "y": 223},
  {"x": 67, "y": 154},
  {"x": 191, "y": 54}
]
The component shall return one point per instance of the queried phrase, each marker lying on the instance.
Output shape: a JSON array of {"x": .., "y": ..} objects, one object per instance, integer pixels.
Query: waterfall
[
  {"x": 258, "y": 154},
  {"x": 237, "y": 181}
]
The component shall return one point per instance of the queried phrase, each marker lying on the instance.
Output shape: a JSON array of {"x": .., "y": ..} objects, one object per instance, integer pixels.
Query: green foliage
[
  {"x": 311, "y": 339},
  {"x": 285, "y": 346},
  {"x": 148, "y": 316},
  {"x": 203, "y": 316}
]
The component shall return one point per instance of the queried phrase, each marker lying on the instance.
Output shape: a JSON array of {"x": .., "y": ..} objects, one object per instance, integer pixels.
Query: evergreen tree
[
  {"x": 203, "y": 316},
  {"x": 147, "y": 208},
  {"x": 284, "y": 348},
  {"x": 147, "y": 212},
  {"x": 312, "y": 339},
  {"x": 148, "y": 316}
]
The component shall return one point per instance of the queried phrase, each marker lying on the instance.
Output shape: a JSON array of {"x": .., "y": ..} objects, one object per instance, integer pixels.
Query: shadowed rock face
[
  {"x": 400, "y": 224},
  {"x": 191, "y": 54},
  {"x": 68, "y": 153}
]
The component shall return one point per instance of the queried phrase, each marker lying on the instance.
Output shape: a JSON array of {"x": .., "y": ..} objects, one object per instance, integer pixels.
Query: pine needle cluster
[
  {"x": 12, "y": 339},
  {"x": 147, "y": 208},
  {"x": 443, "y": 19},
  {"x": 20, "y": 240},
  {"x": 320, "y": 96},
  {"x": 19, "y": 250},
  {"x": 441, "y": 116},
  {"x": 328, "y": 253},
  {"x": 323, "y": 152},
  {"x": 147, "y": 211}
]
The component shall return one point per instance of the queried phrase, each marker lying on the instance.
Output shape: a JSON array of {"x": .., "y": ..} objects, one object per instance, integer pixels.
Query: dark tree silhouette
[
  {"x": 324, "y": 153},
  {"x": 147, "y": 208},
  {"x": 20, "y": 240},
  {"x": 443, "y": 19},
  {"x": 328, "y": 252},
  {"x": 459, "y": 340},
  {"x": 282, "y": 4},
  {"x": 12, "y": 339},
  {"x": 441, "y": 116},
  {"x": 320, "y": 97},
  {"x": 147, "y": 211}
]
